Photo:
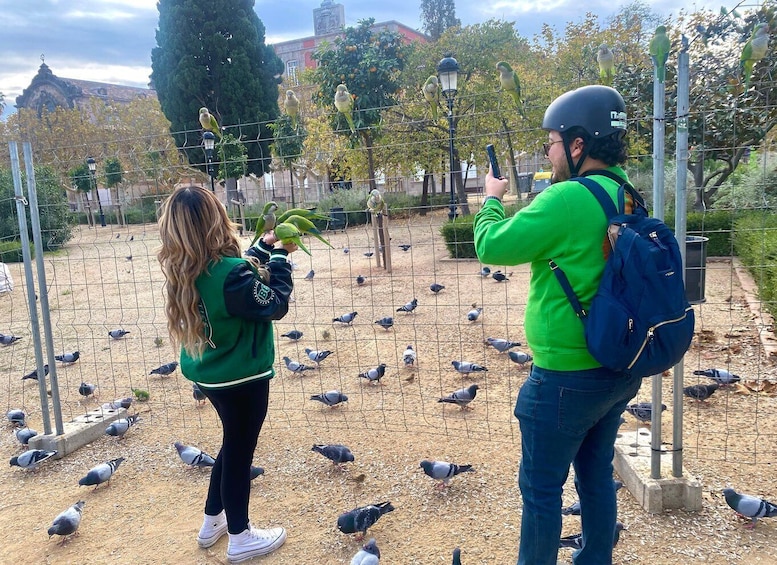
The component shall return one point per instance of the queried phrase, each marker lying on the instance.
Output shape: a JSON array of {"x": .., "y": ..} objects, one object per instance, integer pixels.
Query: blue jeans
[{"x": 569, "y": 417}]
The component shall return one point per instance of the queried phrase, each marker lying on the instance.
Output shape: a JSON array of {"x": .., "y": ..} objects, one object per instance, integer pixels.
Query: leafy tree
[
  {"x": 288, "y": 144},
  {"x": 2, "y": 102},
  {"x": 437, "y": 16},
  {"x": 212, "y": 53},
  {"x": 113, "y": 172},
  {"x": 369, "y": 63}
]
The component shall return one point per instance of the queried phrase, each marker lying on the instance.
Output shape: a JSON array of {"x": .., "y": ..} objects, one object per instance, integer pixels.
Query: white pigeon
[{"x": 409, "y": 356}]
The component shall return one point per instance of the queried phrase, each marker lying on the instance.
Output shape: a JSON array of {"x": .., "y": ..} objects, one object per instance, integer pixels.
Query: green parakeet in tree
[
  {"x": 375, "y": 203},
  {"x": 754, "y": 50},
  {"x": 288, "y": 233},
  {"x": 305, "y": 226},
  {"x": 266, "y": 221},
  {"x": 208, "y": 122},
  {"x": 508, "y": 79},
  {"x": 431, "y": 92},
  {"x": 291, "y": 105},
  {"x": 659, "y": 52},
  {"x": 606, "y": 62},
  {"x": 344, "y": 105}
]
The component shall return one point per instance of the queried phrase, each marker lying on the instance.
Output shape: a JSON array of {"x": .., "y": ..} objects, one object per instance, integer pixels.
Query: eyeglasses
[{"x": 546, "y": 146}]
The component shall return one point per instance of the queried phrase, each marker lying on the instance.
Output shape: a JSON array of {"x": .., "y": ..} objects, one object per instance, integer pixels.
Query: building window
[{"x": 291, "y": 72}]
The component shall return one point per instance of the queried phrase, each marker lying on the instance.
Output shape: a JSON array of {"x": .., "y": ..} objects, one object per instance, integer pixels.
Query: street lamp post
[
  {"x": 209, "y": 142},
  {"x": 92, "y": 164},
  {"x": 448, "y": 75}
]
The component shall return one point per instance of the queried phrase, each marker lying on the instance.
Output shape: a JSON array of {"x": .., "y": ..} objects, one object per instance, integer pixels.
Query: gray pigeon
[
  {"x": 23, "y": 435},
  {"x": 485, "y": 271},
  {"x": 67, "y": 522},
  {"x": 385, "y": 322},
  {"x": 16, "y": 417},
  {"x": 331, "y": 398},
  {"x": 361, "y": 518},
  {"x": 374, "y": 375},
  {"x": 720, "y": 376},
  {"x": 68, "y": 357},
  {"x": 310, "y": 275},
  {"x": 574, "y": 508},
  {"x": 101, "y": 473},
  {"x": 456, "y": 557},
  {"x": 30, "y": 459},
  {"x": 293, "y": 335},
  {"x": 643, "y": 411},
  {"x": 749, "y": 506},
  {"x": 345, "y": 318},
  {"x": 409, "y": 356},
  {"x": 360, "y": 280},
  {"x": 317, "y": 356},
  {"x": 336, "y": 453},
  {"x": 474, "y": 314},
  {"x": 465, "y": 367},
  {"x": 409, "y": 307},
  {"x": 198, "y": 395},
  {"x": 118, "y": 334},
  {"x": 501, "y": 345},
  {"x": 34, "y": 374},
  {"x": 256, "y": 471},
  {"x": 519, "y": 357},
  {"x": 369, "y": 554},
  {"x": 405, "y": 246},
  {"x": 575, "y": 541},
  {"x": 165, "y": 369},
  {"x": 8, "y": 339},
  {"x": 444, "y": 471},
  {"x": 193, "y": 456},
  {"x": 296, "y": 367},
  {"x": 86, "y": 389},
  {"x": 499, "y": 276},
  {"x": 461, "y": 397},
  {"x": 435, "y": 288},
  {"x": 118, "y": 403},
  {"x": 119, "y": 427},
  {"x": 701, "y": 392}
]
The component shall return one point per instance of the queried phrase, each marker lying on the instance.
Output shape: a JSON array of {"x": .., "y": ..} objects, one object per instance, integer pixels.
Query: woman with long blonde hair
[{"x": 220, "y": 306}]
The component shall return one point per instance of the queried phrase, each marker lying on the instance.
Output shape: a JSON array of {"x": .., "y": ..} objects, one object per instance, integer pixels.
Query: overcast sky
[{"x": 111, "y": 40}]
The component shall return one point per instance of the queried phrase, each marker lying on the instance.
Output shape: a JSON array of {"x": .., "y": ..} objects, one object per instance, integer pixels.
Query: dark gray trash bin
[
  {"x": 695, "y": 268},
  {"x": 524, "y": 182}
]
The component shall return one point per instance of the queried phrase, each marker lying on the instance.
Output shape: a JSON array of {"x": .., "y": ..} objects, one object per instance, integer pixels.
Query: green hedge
[
  {"x": 11, "y": 251},
  {"x": 755, "y": 242},
  {"x": 459, "y": 235}
]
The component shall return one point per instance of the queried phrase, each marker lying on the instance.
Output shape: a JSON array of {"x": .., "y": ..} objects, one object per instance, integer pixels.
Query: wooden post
[
  {"x": 386, "y": 242},
  {"x": 375, "y": 237}
]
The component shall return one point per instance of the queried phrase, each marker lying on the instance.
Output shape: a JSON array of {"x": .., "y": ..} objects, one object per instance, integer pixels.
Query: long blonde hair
[{"x": 195, "y": 230}]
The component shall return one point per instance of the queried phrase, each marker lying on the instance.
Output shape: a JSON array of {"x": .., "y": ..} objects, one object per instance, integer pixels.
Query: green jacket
[
  {"x": 237, "y": 310},
  {"x": 565, "y": 223}
]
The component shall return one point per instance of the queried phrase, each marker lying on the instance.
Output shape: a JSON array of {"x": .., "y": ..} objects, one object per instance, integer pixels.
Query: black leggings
[{"x": 242, "y": 410}]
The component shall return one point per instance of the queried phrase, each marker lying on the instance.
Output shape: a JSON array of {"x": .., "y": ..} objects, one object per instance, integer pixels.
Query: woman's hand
[
  {"x": 290, "y": 247},
  {"x": 269, "y": 238}
]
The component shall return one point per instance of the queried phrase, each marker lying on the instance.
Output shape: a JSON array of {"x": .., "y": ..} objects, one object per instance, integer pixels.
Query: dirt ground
[{"x": 152, "y": 508}]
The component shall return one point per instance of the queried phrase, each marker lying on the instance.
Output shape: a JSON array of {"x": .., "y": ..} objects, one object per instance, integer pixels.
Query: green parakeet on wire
[
  {"x": 606, "y": 62},
  {"x": 291, "y": 105},
  {"x": 305, "y": 226},
  {"x": 208, "y": 122},
  {"x": 266, "y": 221},
  {"x": 431, "y": 91},
  {"x": 754, "y": 50},
  {"x": 659, "y": 52},
  {"x": 508, "y": 79},
  {"x": 288, "y": 233},
  {"x": 375, "y": 203},
  {"x": 344, "y": 105}
]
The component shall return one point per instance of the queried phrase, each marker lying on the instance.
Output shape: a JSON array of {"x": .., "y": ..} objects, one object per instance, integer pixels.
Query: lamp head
[
  {"x": 92, "y": 164},
  {"x": 209, "y": 140},
  {"x": 448, "y": 74}
]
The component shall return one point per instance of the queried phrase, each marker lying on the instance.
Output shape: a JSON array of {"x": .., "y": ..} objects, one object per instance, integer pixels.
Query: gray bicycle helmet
[{"x": 599, "y": 110}]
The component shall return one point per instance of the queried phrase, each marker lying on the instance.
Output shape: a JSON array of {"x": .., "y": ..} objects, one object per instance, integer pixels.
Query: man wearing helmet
[{"x": 569, "y": 408}]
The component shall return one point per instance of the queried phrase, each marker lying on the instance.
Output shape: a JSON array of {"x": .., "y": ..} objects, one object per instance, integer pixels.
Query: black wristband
[{"x": 492, "y": 197}]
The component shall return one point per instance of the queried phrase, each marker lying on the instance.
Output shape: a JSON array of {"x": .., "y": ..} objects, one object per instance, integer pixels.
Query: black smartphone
[{"x": 493, "y": 161}]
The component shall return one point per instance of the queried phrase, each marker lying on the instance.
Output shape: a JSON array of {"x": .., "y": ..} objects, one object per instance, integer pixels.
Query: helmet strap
[{"x": 574, "y": 168}]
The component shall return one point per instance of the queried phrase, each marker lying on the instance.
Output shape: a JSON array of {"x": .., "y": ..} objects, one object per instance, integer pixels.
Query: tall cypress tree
[
  {"x": 437, "y": 16},
  {"x": 212, "y": 53}
]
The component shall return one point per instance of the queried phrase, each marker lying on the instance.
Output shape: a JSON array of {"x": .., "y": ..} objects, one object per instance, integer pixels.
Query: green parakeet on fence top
[
  {"x": 344, "y": 105},
  {"x": 606, "y": 62},
  {"x": 375, "y": 202},
  {"x": 291, "y": 105},
  {"x": 266, "y": 221},
  {"x": 289, "y": 233},
  {"x": 508, "y": 79},
  {"x": 208, "y": 122},
  {"x": 754, "y": 50},
  {"x": 305, "y": 226},
  {"x": 659, "y": 52},
  {"x": 431, "y": 91}
]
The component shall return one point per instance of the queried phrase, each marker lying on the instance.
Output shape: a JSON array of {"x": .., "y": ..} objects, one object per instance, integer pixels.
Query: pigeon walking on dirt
[
  {"x": 101, "y": 473},
  {"x": 310, "y": 275},
  {"x": 317, "y": 356},
  {"x": 193, "y": 456},
  {"x": 574, "y": 508},
  {"x": 720, "y": 376},
  {"x": 345, "y": 318},
  {"x": 465, "y": 367},
  {"x": 296, "y": 367},
  {"x": 575, "y": 541},
  {"x": 499, "y": 276},
  {"x": 369, "y": 554},
  {"x": 119, "y": 427},
  {"x": 293, "y": 335},
  {"x": 519, "y": 357},
  {"x": 375, "y": 374},
  {"x": 461, "y": 397},
  {"x": 16, "y": 417},
  {"x": 31, "y": 458},
  {"x": 67, "y": 522},
  {"x": 749, "y": 506},
  {"x": 34, "y": 374},
  {"x": 485, "y": 271},
  {"x": 386, "y": 323},
  {"x": 118, "y": 403},
  {"x": 409, "y": 356},
  {"x": 456, "y": 557},
  {"x": 643, "y": 411},
  {"x": 331, "y": 398},
  {"x": 68, "y": 358},
  {"x": 474, "y": 314},
  {"x": 360, "y": 519},
  {"x": 335, "y": 452},
  {"x": 86, "y": 389},
  {"x": 700, "y": 392},
  {"x": 501, "y": 345},
  {"x": 164, "y": 370},
  {"x": 198, "y": 395},
  {"x": 360, "y": 280},
  {"x": 443, "y": 471},
  {"x": 23, "y": 435},
  {"x": 118, "y": 334},
  {"x": 435, "y": 288},
  {"x": 409, "y": 307},
  {"x": 8, "y": 339}
]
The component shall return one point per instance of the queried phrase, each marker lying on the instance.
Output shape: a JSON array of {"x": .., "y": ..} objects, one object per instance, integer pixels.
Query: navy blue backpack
[{"x": 639, "y": 322}]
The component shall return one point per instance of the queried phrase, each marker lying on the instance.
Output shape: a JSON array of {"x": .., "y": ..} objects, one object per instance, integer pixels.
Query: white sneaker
[
  {"x": 213, "y": 527},
  {"x": 253, "y": 542}
]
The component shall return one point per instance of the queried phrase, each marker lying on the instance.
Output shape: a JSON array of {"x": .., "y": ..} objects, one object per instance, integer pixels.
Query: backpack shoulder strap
[{"x": 603, "y": 197}]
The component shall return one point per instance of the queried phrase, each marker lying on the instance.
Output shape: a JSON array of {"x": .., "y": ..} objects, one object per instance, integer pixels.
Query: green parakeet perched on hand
[
  {"x": 431, "y": 91},
  {"x": 291, "y": 105},
  {"x": 659, "y": 52},
  {"x": 375, "y": 203},
  {"x": 508, "y": 79},
  {"x": 305, "y": 226},
  {"x": 208, "y": 122},
  {"x": 754, "y": 50},
  {"x": 344, "y": 105},
  {"x": 606, "y": 62},
  {"x": 303, "y": 212},
  {"x": 266, "y": 221},
  {"x": 289, "y": 233}
]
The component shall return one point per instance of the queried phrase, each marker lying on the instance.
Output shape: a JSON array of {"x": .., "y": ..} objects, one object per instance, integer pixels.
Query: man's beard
[{"x": 560, "y": 174}]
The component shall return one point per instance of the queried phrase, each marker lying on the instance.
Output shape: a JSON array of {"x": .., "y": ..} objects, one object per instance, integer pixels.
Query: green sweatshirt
[
  {"x": 565, "y": 223},
  {"x": 238, "y": 309}
]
